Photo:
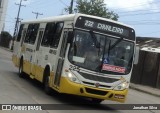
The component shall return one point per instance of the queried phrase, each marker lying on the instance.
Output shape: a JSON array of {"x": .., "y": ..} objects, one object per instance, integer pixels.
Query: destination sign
[{"x": 105, "y": 27}]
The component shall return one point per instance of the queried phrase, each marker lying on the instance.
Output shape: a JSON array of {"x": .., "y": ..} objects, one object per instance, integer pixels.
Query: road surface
[{"x": 15, "y": 90}]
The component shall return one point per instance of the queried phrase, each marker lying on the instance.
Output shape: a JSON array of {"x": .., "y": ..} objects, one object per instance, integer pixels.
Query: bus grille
[
  {"x": 97, "y": 92},
  {"x": 93, "y": 84},
  {"x": 98, "y": 78}
]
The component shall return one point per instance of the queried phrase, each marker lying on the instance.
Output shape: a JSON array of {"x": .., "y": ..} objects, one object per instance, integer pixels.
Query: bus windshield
[{"x": 101, "y": 53}]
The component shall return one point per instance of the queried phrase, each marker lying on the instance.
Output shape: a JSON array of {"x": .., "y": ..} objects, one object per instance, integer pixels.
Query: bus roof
[
  {"x": 71, "y": 17},
  {"x": 50, "y": 19}
]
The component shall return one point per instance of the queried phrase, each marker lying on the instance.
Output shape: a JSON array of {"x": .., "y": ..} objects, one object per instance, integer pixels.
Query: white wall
[{"x": 3, "y": 10}]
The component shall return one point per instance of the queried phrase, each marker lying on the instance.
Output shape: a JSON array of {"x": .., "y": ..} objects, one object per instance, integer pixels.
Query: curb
[{"x": 144, "y": 91}]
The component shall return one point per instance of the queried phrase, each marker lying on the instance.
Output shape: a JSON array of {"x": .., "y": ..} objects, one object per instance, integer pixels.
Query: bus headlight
[
  {"x": 72, "y": 77},
  {"x": 122, "y": 86}
]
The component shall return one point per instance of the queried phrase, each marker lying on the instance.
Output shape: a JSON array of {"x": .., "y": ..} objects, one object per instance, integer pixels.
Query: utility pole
[
  {"x": 18, "y": 23},
  {"x": 18, "y": 19},
  {"x": 71, "y": 7},
  {"x": 37, "y": 13}
]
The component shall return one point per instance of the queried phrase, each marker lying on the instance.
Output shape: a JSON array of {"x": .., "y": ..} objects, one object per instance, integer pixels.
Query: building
[
  {"x": 3, "y": 10},
  {"x": 149, "y": 44},
  {"x": 147, "y": 71}
]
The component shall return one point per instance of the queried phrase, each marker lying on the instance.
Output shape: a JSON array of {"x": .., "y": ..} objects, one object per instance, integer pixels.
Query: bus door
[
  {"x": 37, "y": 54},
  {"x": 17, "y": 46},
  {"x": 30, "y": 45},
  {"x": 22, "y": 40},
  {"x": 18, "y": 40},
  {"x": 61, "y": 58}
]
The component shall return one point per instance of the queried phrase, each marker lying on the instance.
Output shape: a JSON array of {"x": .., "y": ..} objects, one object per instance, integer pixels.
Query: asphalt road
[{"x": 15, "y": 90}]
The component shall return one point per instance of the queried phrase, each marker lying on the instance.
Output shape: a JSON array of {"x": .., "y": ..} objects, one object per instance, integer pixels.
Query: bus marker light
[
  {"x": 66, "y": 70},
  {"x": 122, "y": 79}
]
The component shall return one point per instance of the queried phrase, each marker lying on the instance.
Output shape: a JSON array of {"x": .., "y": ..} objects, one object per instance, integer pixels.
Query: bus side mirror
[
  {"x": 70, "y": 37},
  {"x": 136, "y": 56}
]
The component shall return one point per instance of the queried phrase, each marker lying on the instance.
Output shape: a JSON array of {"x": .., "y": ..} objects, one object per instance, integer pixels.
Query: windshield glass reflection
[{"x": 103, "y": 58}]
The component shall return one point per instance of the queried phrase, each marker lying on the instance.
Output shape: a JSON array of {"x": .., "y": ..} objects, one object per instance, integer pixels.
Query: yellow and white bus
[{"x": 77, "y": 54}]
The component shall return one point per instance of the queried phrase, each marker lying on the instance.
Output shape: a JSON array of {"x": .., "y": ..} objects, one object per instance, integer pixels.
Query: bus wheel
[
  {"x": 21, "y": 73},
  {"x": 47, "y": 89},
  {"x": 96, "y": 101}
]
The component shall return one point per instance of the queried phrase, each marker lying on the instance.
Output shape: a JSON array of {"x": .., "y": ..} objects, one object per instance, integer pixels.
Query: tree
[
  {"x": 5, "y": 39},
  {"x": 94, "y": 7}
]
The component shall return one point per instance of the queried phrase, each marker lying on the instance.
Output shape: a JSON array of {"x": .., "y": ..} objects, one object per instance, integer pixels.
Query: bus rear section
[{"x": 93, "y": 57}]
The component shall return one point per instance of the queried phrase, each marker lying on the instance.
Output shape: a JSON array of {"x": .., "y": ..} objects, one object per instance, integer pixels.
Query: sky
[{"x": 142, "y": 15}]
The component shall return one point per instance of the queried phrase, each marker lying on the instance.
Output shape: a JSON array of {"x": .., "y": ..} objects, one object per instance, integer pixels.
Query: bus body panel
[{"x": 36, "y": 58}]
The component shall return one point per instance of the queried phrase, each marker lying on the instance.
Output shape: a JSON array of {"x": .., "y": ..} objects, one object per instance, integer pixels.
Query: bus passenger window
[
  {"x": 31, "y": 33},
  {"x": 57, "y": 35},
  {"x": 20, "y": 33},
  {"x": 48, "y": 34},
  {"x": 23, "y": 36},
  {"x": 34, "y": 33},
  {"x": 28, "y": 33}
]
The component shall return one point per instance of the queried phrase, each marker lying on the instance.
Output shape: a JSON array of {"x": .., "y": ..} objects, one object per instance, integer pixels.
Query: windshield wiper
[
  {"x": 104, "y": 51},
  {"x": 109, "y": 48},
  {"x": 117, "y": 42},
  {"x": 74, "y": 49},
  {"x": 94, "y": 39}
]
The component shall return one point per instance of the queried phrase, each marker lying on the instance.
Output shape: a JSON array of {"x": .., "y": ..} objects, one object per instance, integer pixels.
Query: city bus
[{"x": 77, "y": 54}]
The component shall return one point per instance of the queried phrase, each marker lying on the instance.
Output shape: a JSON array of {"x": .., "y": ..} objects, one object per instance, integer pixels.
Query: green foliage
[
  {"x": 5, "y": 38},
  {"x": 94, "y": 7}
]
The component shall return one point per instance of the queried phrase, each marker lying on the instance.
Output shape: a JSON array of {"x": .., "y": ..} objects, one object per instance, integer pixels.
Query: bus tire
[
  {"x": 47, "y": 89},
  {"x": 96, "y": 101},
  {"x": 21, "y": 73}
]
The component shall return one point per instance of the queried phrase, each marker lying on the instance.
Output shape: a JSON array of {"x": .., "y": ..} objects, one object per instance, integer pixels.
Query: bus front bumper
[{"x": 66, "y": 86}]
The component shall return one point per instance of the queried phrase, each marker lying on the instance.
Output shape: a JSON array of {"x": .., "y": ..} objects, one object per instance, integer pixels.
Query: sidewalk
[
  {"x": 145, "y": 89},
  {"x": 7, "y": 49}
]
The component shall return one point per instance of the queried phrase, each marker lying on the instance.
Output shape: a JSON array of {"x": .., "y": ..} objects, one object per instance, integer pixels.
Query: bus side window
[
  {"x": 48, "y": 34},
  {"x": 28, "y": 33},
  {"x": 34, "y": 33},
  {"x": 31, "y": 33},
  {"x": 20, "y": 33},
  {"x": 39, "y": 40},
  {"x": 23, "y": 36},
  {"x": 55, "y": 41}
]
